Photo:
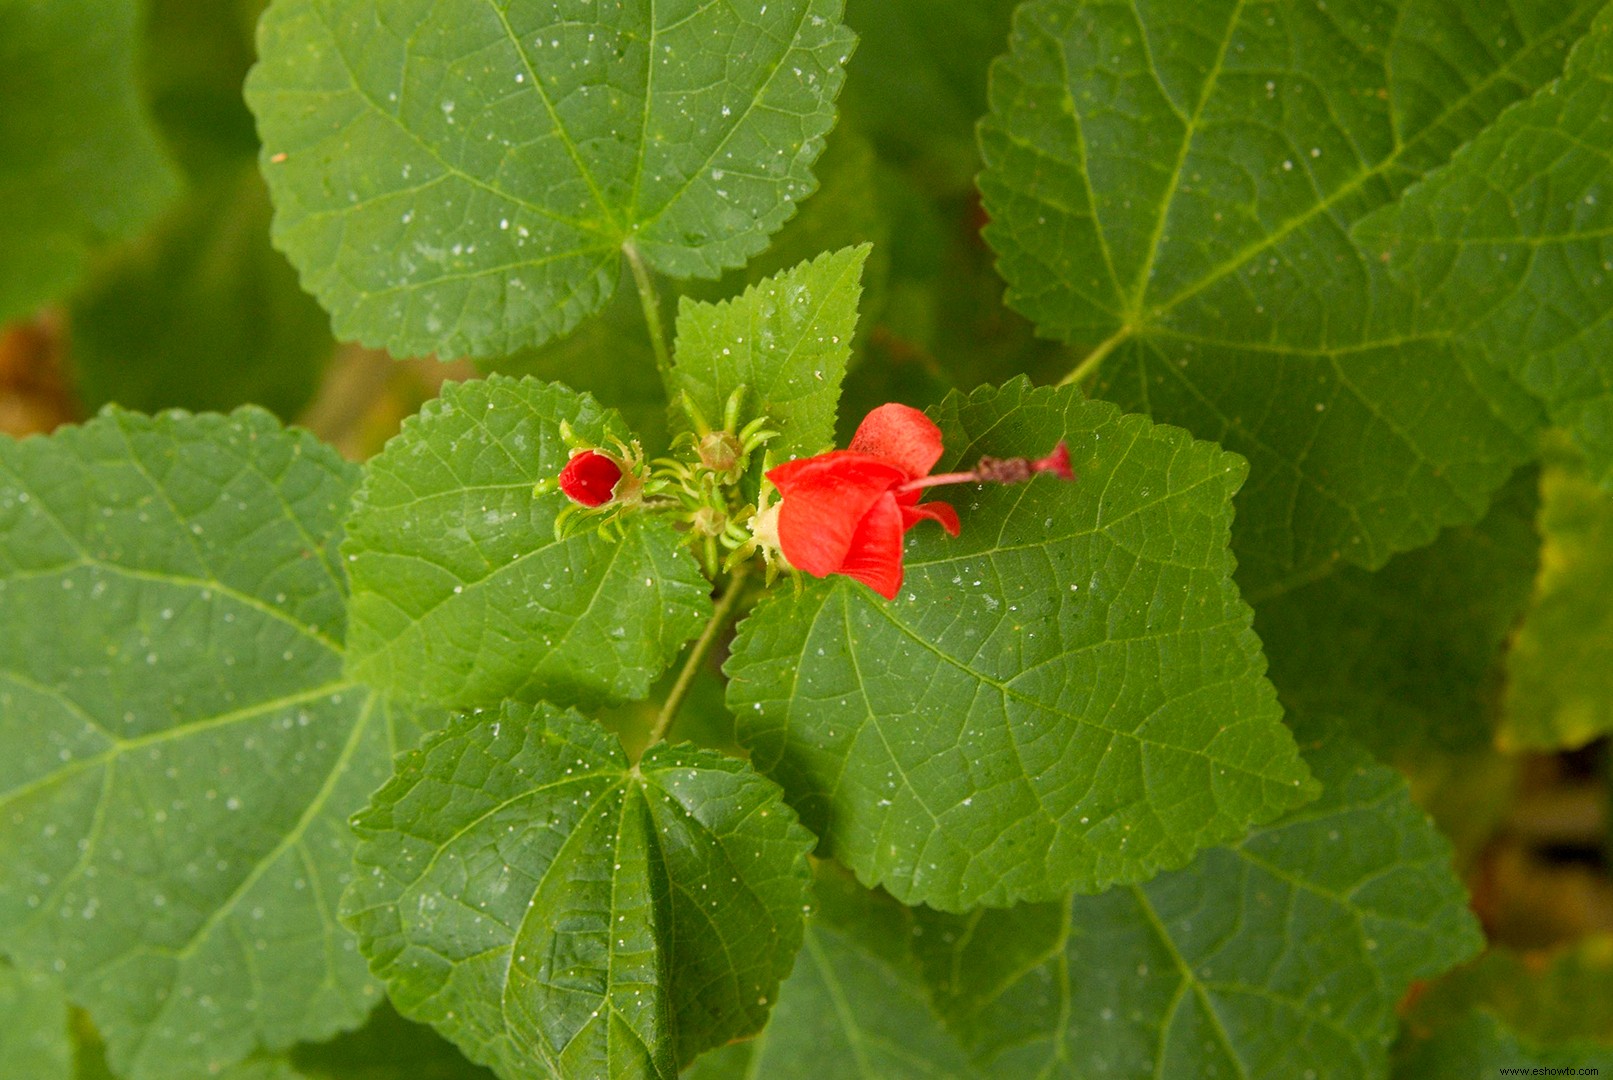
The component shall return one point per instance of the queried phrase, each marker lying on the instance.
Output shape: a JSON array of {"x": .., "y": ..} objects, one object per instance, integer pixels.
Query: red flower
[
  {"x": 845, "y": 512},
  {"x": 590, "y": 478}
]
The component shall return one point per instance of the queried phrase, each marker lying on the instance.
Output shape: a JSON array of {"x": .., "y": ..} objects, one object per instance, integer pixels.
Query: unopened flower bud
[
  {"x": 720, "y": 452},
  {"x": 590, "y": 478}
]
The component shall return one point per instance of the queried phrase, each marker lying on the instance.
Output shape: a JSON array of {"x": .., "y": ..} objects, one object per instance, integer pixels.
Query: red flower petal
[
  {"x": 939, "y": 512},
  {"x": 824, "y": 499},
  {"x": 901, "y": 435},
  {"x": 875, "y": 557},
  {"x": 590, "y": 478}
]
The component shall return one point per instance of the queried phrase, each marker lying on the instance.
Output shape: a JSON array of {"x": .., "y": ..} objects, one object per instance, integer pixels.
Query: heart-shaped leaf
[
  {"x": 462, "y": 177},
  {"x": 560, "y": 912}
]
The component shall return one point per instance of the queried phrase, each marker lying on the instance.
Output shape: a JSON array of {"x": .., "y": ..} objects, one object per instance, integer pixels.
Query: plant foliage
[{"x": 313, "y": 769}]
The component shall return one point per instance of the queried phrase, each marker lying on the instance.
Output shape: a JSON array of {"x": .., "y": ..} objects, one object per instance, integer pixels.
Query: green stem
[
  {"x": 697, "y": 655},
  {"x": 1090, "y": 362},
  {"x": 651, "y": 302}
]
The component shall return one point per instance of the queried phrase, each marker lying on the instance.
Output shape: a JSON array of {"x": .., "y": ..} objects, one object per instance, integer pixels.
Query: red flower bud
[{"x": 590, "y": 478}]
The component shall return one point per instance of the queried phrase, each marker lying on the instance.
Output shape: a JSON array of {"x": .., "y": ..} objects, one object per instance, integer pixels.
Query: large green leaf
[
  {"x": 1512, "y": 243},
  {"x": 787, "y": 340},
  {"x": 1172, "y": 188},
  {"x": 182, "y": 749},
  {"x": 855, "y": 1005},
  {"x": 33, "y": 1040},
  {"x": 203, "y": 313},
  {"x": 462, "y": 594},
  {"x": 843, "y": 212},
  {"x": 1407, "y": 658},
  {"x": 560, "y": 912},
  {"x": 1283, "y": 955},
  {"x": 90, "y": 1062},
  {"x": 1068, "y": 695},
  {"x": 463, "y": 176},
  {"x": 1559, "y": 690},
  {"x": 611, "y": 356},
  {"x": 79, "y": 160}
]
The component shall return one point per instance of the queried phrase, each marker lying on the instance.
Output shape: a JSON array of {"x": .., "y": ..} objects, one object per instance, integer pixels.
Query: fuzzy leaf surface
[
  {"x": 559, "y": 912},
  {"x": 462, "y": 177},
  {"x": 855, "y": 1005},
  {"x": 80, "y": 162},
  {"x": 183, "y": 750},
  {"x": 1066, "y": 696},
  {"x": 1283, "y": 955},
  {"x": 1512, "y": 243},
  {"x": 1406, "y": 659},
  {"x": 1172, "y": 190},
  {"x": 461, "y": 593},
  {"x": 787, "y": 340},
  {"x": 33, "y": 1040}
]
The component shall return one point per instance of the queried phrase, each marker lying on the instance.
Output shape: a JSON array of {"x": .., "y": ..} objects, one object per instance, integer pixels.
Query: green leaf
[
  {"x": 388, "y": 1047},
  {"x": 1512, "y": 243},
  {"x": 202, "y": 314},
  {"x": 1069, "y": 695},
  {"x": 610, "y": 356},
  {"x": 845, "y": 211},
  {"x": 1479, "y": 1045},
  {"x": 461, "y": 593},
  {"x": 262, "y": 1070},
  {"x": 1406, "y": 659},
  {"x": 787, "y": 340},
  {"x": 1172, "y": 192},
  {"x": 855, "y": 1005},
  {"x": 560, "y": 912},
  {"x": 1352, "y": 458},
  {"x": 182, "y": 748},
  {"x": 463, "y": 177},
  {"x": 33, "y": 1040},
  {"x": 1283, "y": 955},
  {"x": 79, "y": 160},
  {"x": 1559, "y": 689}
]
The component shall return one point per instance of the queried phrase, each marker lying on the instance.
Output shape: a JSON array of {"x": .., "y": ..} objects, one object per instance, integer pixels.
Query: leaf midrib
[{"x": 1142, "y": 318}]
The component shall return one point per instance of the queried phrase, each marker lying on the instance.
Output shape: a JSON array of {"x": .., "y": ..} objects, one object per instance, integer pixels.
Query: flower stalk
[{"x": 721, "y": 617}]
